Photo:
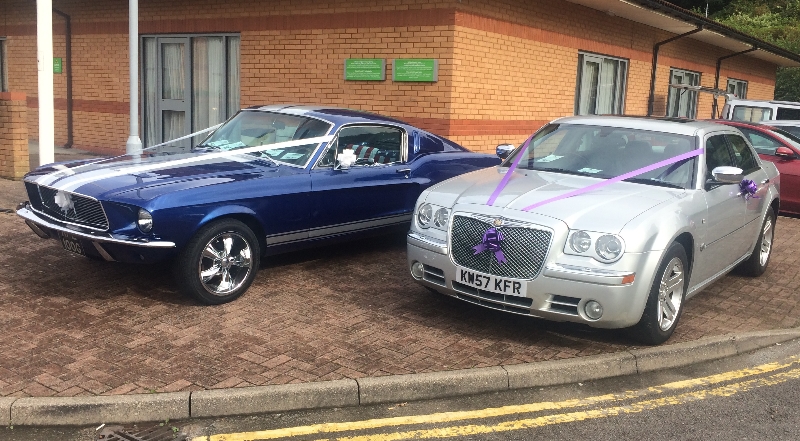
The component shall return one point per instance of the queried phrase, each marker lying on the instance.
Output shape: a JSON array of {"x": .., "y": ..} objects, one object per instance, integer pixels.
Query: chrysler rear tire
[{"x": 219, "y": 263}]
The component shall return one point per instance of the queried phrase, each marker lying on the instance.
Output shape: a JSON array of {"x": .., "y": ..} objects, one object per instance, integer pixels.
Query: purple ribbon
[
  {"x": 748, "y": 188},
  {"x": 596, "y": 186},
  {"x": 491, "y": 242}
]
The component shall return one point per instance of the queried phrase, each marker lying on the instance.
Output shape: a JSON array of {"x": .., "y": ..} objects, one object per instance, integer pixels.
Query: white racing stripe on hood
[{"x": 97, "y": 175}]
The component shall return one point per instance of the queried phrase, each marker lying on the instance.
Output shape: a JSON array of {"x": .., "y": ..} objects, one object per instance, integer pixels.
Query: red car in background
[{"x": 781, "y": 148}]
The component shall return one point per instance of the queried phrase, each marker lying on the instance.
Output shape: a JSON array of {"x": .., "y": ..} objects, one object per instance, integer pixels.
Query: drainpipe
[
  {"x": 716, "y": 78},
  {"x": 44, "y": 56},
  {"x": 68, "y": 44},
  {"x": 656, "y": 47},
  {"x": 134, "y": 144}
]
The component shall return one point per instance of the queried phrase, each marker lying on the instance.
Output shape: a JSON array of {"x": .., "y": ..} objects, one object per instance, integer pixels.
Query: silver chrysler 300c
[{"x": 609, "y": 221}]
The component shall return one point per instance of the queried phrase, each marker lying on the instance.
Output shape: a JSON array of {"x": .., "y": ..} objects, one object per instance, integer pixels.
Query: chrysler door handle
[{"x": 765, "y": 181}]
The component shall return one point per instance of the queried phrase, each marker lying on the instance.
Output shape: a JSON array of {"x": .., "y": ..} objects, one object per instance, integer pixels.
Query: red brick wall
[
  {"x": 506, "y": 66},
  {"x": 13, "y": 135}
]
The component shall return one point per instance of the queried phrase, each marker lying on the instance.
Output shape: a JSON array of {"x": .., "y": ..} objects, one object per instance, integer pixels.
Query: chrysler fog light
[
  {"x": 608, "y": 247},
  {"x": 424, "y": 215},
  {"x": 440, "y": 217},
  {"x": 417, "y": 270},
  {"x": 593, "y": 310},
  {"x": 145, "y": 221},
  {"x": 580, "y": 241}
]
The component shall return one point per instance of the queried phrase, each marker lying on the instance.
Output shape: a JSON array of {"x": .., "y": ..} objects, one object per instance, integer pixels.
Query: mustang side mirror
[
  {"x": 503, "y": 150},
  {"x": 728, "y": 175},
  {"x": 784, "y": 152}
]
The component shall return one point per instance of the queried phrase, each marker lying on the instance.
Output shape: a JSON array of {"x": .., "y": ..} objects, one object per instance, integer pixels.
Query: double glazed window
[
  {"x": 190, "y": 84},
  {"x": 601, "y": 85},
  {"x": 3, "y": 71},
  {"x": 682, "y": 102},
  {"x": 737, "y": 87}
]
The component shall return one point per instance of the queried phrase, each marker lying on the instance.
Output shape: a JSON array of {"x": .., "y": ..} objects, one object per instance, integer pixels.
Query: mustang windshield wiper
[{"x": 654, "y": 182}]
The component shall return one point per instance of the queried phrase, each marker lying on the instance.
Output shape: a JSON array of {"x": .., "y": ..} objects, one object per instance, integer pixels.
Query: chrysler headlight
[
  {"x": 441, "y": 217},
  {"x": 608, "y": 247},
  {"x": 580, "y": 241},
  {"x": 424, "y": 215},
  {"x": 145, "y": 221}
]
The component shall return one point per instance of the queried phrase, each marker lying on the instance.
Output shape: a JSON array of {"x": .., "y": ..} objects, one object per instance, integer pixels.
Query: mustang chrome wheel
[
  {"x": 225, "y": 263},
  {"x": 766, "y": 241},
  {"x": 670, "y": 294},
  {"x": 219, "y": 263}
]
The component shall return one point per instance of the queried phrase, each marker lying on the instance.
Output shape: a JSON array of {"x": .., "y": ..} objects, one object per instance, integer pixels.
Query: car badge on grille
[
  {"x": 498, "y": 222},
  {"x": 64, "y": 201}
]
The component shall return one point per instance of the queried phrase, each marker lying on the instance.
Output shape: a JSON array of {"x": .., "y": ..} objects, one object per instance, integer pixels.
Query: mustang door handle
[{"x": 403, "y": 170}]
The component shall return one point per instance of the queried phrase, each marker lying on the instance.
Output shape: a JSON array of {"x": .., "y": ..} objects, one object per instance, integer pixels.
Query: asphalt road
[{"x": 749, "y": 397}]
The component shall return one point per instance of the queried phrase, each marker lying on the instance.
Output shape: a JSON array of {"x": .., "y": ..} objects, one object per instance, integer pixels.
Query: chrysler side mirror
[
  {"x": 728, "y": 175},
  {"x": 785, "y": 152},
  {"x": 503, "y": 150}
]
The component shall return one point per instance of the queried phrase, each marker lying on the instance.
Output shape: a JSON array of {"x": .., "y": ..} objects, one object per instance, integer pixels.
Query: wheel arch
[
  {"x": 243, "y": 215},
  {"x": 687, "y": 241}
]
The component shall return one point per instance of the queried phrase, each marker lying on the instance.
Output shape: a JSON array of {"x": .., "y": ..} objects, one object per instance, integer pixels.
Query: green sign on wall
[
  {"x": 415, "y": 69},
  {"x": 57, "y": 65},
  {"x": 364, "y": 69}
]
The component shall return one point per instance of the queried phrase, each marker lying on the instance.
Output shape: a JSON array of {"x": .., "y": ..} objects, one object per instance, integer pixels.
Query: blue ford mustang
[{"x": 271, "y": 179}]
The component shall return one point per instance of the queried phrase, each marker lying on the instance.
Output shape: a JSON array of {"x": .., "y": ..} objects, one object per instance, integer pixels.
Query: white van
[{"x": 757, "y": 111}]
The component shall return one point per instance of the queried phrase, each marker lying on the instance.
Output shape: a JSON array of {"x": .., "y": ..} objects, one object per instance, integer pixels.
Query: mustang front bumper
[
  {"x": 559, "y": 293},
  {"x": 98, "y": 244}
]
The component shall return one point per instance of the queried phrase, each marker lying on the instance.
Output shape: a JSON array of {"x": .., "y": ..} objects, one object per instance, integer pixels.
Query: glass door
[{"x": 174, "y": 92}]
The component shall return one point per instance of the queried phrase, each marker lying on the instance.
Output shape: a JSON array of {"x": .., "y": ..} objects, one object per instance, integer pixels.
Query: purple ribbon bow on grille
[
  {"x": 491, "y": 242},
  {"x": 748, "y": 188}
]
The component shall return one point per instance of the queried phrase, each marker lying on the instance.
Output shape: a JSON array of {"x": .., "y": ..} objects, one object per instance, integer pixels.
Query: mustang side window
[
  {"x": 717, "y": 154},
  {"x": 745, "y": 159},
  {"x": 371, "y": 144}
]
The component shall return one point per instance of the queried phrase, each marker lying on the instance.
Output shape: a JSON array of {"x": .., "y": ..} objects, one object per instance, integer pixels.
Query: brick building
[{"x": 505, "y": 67}]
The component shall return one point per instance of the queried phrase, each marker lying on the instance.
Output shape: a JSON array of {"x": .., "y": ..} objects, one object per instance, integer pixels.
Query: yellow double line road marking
[{"x": 446, "y": 417}]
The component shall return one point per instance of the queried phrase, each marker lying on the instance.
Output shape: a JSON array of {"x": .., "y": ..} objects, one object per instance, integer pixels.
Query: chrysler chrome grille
[
  {"x": 85, "y": 210},
  {"x": 524, "y": 248}
]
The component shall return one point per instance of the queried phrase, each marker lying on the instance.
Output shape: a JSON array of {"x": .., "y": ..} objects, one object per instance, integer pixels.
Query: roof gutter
[
  {"x": 698, "y": 20},
  {"x": 656, "y": 48}
]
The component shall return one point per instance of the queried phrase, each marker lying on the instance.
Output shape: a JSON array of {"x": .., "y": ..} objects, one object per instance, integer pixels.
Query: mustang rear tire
[
  {"x": 219, "y": 263},
  {"x": 756, "y": 264},
  {"x": 665, "y": 302}
]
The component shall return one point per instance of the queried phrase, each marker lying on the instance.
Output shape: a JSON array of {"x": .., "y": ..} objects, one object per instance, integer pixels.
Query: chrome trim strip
[
  {"x": 30, "y": 215},
  {"x": 583, "y": 274},
  {"x": 103, "y": 252},
  {"x": 335, "y": 230},
  {"x": 426, "y": 243},
  {"x": 494, "y": 301}
]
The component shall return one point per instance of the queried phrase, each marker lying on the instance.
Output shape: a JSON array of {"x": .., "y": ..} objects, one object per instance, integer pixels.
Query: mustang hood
[
  {"x": 608, "y": 208},
  {"x": 125, "y": 173}
]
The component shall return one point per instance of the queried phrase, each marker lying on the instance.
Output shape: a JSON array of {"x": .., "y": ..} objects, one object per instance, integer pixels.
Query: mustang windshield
[
  {"x": 256, "y": 128},
  {"x": 607, "y": 152}
]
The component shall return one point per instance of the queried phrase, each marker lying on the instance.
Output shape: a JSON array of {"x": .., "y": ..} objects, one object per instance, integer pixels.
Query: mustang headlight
[
  {"x": 441, "y": 217},
  {"x": 608, "y": 247},
  {"x": 145, "y": 221},
  {"x": 580, "y": 241},
  {"x": 424, "y": 215}
]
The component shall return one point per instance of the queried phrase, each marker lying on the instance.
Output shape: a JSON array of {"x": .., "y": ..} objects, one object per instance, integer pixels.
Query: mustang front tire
[
  {"x": 219, "y": 263},
  {"x": 665, "y": 302}
]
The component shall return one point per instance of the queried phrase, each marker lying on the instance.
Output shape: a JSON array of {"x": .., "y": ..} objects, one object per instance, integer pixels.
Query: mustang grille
[
  {"x": 524, "y": 248},
  {"x": 84, "y": 211}
]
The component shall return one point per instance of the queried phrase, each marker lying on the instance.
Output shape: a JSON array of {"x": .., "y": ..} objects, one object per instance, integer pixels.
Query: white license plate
[{"x": 491, "y": 283}]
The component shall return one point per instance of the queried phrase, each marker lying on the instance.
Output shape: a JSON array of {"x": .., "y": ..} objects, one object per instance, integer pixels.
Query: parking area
[{"x": 72, "y": 326}]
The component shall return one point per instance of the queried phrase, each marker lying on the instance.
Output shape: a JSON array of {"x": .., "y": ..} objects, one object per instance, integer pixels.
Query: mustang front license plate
[
  {"x": 491, "y": 283},
  {"x": 71, "y": 243}
]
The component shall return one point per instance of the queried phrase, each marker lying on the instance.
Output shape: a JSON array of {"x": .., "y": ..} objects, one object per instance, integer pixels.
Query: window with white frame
[
  {"x": 191, "y": 82},
  {"x": 3, "y": 68},
  {"x": 601, "y": 85},
  {"x": 737, "y": 87},
  {"x": 682, "y": 102}
]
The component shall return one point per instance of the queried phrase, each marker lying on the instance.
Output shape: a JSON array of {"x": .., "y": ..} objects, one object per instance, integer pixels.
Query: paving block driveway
[{"x": 72, "y": 326}]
